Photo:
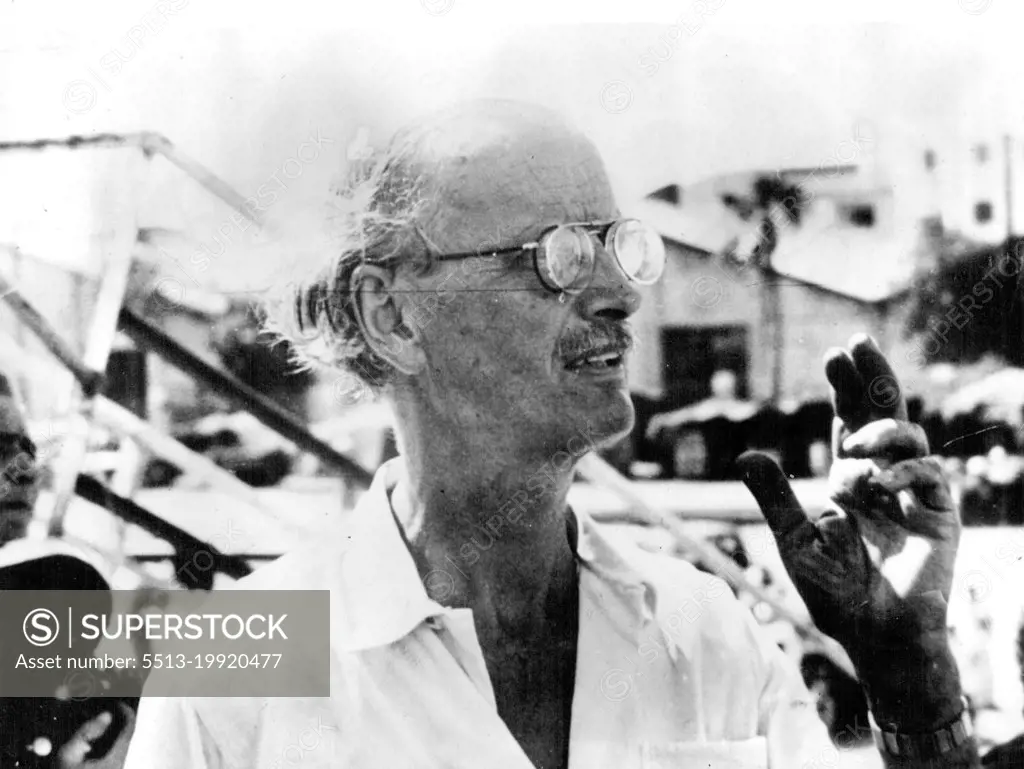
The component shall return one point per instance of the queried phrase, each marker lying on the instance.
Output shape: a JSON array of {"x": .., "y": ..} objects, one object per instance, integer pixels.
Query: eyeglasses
[{"x": 564, "y": 257}]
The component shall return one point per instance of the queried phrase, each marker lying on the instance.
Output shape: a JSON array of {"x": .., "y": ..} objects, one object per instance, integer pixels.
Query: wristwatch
[{"x": 925, "y": 744}]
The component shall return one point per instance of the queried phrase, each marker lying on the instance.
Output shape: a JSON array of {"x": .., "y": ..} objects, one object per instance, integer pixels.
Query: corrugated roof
[
  {"x": 710, "y": 228},
  {"x": 853, "y": 261},
  {"x": 869, "y": 264}
]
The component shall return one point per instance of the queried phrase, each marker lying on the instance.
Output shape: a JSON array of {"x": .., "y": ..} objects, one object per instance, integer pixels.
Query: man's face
[{"x": 506, "y": 357}]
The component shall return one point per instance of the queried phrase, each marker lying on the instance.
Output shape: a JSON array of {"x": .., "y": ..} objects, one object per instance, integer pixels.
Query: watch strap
[{"x": 925, "y": 745}]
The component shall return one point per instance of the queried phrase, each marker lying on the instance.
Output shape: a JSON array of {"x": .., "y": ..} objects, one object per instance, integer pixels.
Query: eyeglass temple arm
[{"x": 480, "y": 254}]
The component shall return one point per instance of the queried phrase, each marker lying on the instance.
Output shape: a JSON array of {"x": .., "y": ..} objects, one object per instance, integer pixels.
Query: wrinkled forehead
[{"x": 490, "y": 178}]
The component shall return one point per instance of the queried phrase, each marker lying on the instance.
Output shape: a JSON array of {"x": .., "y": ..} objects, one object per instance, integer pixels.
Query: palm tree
[{"x": 778, "y": 203}]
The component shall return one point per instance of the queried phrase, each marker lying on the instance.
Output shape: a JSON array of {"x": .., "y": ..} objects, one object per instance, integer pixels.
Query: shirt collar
[{"x": 378, "y": 598}]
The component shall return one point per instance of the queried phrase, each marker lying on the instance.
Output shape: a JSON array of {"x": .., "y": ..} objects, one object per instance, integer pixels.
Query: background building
[{"x": 844, "y": 268}]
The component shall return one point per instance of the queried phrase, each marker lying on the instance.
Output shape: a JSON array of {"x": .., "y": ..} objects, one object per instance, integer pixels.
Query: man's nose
[{"x": 611, "y": 295}]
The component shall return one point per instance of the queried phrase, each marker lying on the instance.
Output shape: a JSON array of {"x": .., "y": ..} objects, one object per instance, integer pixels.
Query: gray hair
[{"x": 373, "y": 221}]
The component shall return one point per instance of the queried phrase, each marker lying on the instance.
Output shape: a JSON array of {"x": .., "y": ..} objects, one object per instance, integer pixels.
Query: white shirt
[{"x": 672, "y": 671}]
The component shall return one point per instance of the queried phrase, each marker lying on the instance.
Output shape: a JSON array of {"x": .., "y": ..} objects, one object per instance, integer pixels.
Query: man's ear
[{"x": 380, "y": 310}]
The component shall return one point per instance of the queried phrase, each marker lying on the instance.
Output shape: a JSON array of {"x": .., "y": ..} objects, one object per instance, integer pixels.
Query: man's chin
[{"x": 610, "y": 424}]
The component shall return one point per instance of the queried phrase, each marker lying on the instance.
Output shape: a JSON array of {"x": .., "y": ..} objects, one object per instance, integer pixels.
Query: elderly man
[{"x": 477, "y": 620}]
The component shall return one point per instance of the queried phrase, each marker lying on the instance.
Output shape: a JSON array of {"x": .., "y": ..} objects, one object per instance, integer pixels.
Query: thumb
[
  {"x": 782, "y": 511},
  {"x": 75, "y": 750}
]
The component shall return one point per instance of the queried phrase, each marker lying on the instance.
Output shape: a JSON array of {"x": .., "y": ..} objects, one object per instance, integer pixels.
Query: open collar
[{"x": 378, "y": 597}]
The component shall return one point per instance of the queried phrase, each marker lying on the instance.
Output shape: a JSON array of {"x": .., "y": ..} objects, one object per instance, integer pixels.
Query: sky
[{"x": 672, "y": 91}]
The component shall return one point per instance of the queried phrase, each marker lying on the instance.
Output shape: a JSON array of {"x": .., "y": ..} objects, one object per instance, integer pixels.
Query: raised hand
[{"x": 876, "y": 570}]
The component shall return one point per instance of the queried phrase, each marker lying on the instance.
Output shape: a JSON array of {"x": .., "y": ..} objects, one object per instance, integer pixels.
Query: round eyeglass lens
[
  {"x": 640, "y": 251},
  {"x": 568, "y": 258}
]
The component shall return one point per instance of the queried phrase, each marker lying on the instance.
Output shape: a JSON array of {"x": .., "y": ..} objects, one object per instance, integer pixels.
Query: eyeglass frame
[{"x": 592, "y": 229}]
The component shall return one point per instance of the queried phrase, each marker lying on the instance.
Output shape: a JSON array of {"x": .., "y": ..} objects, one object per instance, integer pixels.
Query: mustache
[{"x": 598, "y": 334}]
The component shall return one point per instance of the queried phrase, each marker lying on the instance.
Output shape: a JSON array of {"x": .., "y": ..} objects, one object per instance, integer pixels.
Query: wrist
[
  {"x": 915, "y": 688},
  {"x": 950, "y": 745}
]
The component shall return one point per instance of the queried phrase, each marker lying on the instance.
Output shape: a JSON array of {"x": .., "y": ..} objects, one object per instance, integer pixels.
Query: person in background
[{"x": 47, "y": 732}]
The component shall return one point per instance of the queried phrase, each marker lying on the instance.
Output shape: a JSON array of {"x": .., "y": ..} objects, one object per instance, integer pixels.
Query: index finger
[{"x": 849, "y": 390}]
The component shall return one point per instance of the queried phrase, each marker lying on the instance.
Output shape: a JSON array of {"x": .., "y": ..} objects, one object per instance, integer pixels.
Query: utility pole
[
  {"x": 1008, "y": 331},
  {"x": 1008, "y": 182}
]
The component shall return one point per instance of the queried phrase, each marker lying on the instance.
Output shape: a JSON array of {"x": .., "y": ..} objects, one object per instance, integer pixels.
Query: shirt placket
[{"x": 456, "y": 631}]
